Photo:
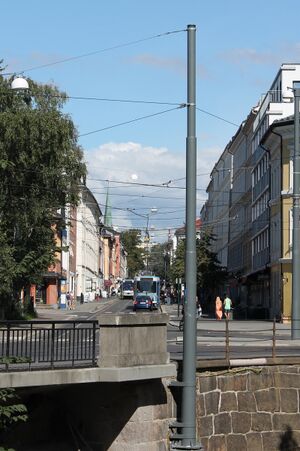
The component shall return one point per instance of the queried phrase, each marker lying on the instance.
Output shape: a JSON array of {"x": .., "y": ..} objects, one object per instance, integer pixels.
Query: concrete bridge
[{"x": 130, "y": 347}]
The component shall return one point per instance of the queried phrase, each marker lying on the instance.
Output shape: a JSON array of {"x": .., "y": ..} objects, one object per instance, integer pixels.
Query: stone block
[
  {"x": 289, "y": 400},
  {"x": 205, "y": 426},
  {"x": 288, "y": 369},
  {"x": 289, "y": 440},
  {"x": 153, "y": 446},
  {"x": 204, "y": 443},
  {"x": 287, "y": 380},
  {"x": 144, "y": 413},
  {"x": 236, "y": 442},
  {"x": 254, "y": 441},
  {"x": 217, "y": 443},
  {"x": 282, "y": 421},
  {"x": 237, "y": 382},
  {"x": 267, "y": 400},
  {"x": 160, "y": 411},
  {"x": 261, "y": 422},
  {"x": 207, "y": 383},
  {"x": 271, "y": 441},
  {"x": 261, "y": 380},
  {"x": 146, "y": 432},
  {"x": 246, "y": 401},
  {"x": 200, "y": 406},
  {"x": 222, "y": 423},
  {"x": 241, "y": 422},
  {"x": 228, "y": 402},
  {"x": 212, "y": 402}
]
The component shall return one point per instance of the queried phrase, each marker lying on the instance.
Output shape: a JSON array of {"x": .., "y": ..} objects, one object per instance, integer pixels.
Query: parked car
[{"x": 142, "y": 301}]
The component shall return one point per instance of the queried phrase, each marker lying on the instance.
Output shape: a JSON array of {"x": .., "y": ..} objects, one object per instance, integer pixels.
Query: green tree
[
  {"x": 159, "y": 260},
  {"x": 131, "y": 240},
  {"x": 41, "y": 166},
  {"x": 177, "y": 266},
  {"x": 11, "y": 410},
  {"x": 209, "y": 271}
]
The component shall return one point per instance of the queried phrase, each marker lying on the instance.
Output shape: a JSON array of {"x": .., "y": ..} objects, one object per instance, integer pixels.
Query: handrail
[{"x": 31, "y": 344}]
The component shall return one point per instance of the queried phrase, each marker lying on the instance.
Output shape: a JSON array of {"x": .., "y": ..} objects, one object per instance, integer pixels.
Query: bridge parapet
[
  {"x": 132, "y": 347},
  {"x": 129, "y": 340}
]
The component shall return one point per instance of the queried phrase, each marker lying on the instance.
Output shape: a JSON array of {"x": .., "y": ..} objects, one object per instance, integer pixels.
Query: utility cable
[
  {"x": 103, "y": 99},
  {"x": 132, "y": 120},
  {"x": 217, "y": 117},
  {"x": 84, "y": 55}
]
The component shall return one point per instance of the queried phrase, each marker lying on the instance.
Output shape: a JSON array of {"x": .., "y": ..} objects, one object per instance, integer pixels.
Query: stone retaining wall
[{"x": 252, "y": 409}]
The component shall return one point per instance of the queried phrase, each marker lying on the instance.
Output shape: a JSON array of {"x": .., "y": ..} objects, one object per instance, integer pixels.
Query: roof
[{"x": 181, "y": 230}]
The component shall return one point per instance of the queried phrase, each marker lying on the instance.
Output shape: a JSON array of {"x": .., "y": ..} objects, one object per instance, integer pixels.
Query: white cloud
[
  {"x": 177, "y": 65},
  {"x": 286, "y": 52},
  {"x": 117, "y": 162},
  {"x": 252, "y": 56}
]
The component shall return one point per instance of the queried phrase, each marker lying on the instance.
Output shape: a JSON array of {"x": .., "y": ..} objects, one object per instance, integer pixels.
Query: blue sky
[{"x": 240, "y": 47}]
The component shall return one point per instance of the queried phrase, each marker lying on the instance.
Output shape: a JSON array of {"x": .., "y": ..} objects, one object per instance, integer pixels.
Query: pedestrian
[
  {"x": 72, "y": 301},
  {"x": 168, "y": 298},
  {"x": 227, "y": 306},
  {"x": 181, "y": 322},
  {"x": 199, "y": 308},
  {"x": 68, "y": 298},
  {"x": 81, "y": 298},
  {"x": 218, "y": 308}
]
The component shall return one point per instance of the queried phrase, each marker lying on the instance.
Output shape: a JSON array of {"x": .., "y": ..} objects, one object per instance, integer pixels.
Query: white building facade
[{"x": 88, "y": 246}]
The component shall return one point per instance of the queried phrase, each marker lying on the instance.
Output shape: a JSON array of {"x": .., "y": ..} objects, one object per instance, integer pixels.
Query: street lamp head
[
  {"x": 153, "y": 210},
  {"x": 19, "y": 83}
]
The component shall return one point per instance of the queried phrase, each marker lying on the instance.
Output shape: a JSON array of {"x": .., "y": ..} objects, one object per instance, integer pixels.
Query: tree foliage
[
  {"x": 159, "y": 260},
  {"x": 11, "y": 410},
  {"x": 131, "y": 241},
  {"x": 41, "y": 165},
  {"x": 209, "y": 271}
]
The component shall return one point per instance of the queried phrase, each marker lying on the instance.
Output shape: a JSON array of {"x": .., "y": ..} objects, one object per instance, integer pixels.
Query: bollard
[
  {"x": 227, "y": 339},
  {"x": 274, "y": 339}
]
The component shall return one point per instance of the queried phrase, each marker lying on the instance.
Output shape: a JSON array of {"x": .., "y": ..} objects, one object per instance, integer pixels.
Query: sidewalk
[
  {"x": 52, "y": 312},
  {"x": 245, "y": 333}
]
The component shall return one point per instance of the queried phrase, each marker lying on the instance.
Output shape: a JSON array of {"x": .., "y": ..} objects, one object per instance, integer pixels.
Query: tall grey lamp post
[
  {"x": 296, "y": 218},
  {"x": 188, "y": 418},
  {"x": 152, "y": 210}
]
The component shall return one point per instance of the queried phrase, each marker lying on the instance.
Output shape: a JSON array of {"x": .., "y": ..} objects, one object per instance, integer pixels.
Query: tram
[{"x": 149, "y": 285}]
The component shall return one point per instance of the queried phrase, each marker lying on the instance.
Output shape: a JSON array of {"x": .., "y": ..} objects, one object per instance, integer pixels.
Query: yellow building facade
[{"x": 279, "y": 142}]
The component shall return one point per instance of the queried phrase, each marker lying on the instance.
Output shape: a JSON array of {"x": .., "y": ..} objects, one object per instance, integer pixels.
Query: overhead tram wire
[
  {"x": 103, "y": 99},
  {"x": 132, "y": 120},
  {"x": 217, "y": 117},
  {"x": 141, "y": 195},
  {"x": 96, "y": 52}
]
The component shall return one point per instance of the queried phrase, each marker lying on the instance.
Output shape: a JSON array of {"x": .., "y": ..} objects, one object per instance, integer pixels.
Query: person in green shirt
[{"x": 227, "y": 306}]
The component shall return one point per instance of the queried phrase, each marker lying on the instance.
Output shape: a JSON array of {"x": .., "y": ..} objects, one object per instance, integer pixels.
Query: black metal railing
[
  {"x": 47, "y": 344},
  {"x": 241, "y": 339}
]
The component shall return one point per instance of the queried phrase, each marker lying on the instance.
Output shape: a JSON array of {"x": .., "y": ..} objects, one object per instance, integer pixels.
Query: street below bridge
[{"x": 247, "y": 339}]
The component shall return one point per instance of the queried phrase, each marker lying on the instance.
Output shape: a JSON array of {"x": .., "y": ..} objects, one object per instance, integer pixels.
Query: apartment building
[
  {"x": 239, "y": 263},
  {"x": 275, "y": 105},
  {"x": 258, "y": 251},
  {"x": 88, "y": 252},
  {"x": 280, "y": 141},
  {"x": 215, "y": 213}
]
